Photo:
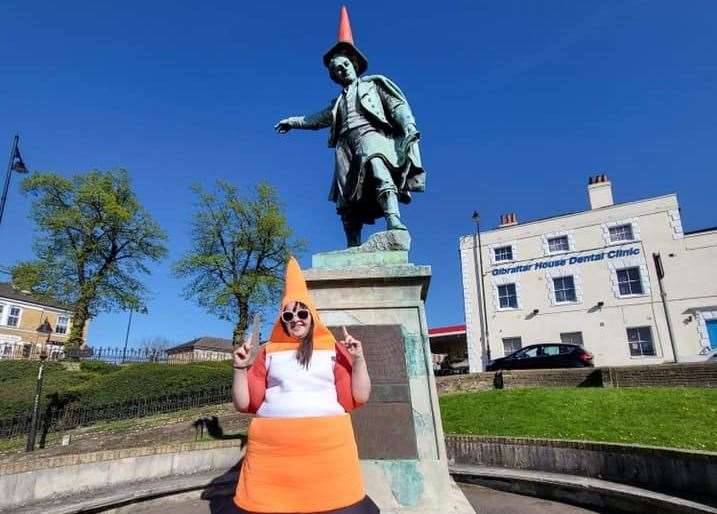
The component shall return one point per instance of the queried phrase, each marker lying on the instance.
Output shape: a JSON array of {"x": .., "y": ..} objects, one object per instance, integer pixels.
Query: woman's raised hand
[
  {"x": 352, "y": 344},
  {"x": 242, "y": 355}
]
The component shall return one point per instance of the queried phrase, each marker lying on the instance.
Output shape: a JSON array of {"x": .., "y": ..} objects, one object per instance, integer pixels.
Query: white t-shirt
[{"x": 293, "y": 391}]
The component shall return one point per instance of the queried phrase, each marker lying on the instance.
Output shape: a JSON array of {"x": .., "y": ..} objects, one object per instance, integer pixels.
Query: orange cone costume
[{"x": 301, "y": 455}]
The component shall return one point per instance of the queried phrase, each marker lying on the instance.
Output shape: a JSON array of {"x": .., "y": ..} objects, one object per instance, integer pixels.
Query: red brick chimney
[{"x": 508, "y": 219}]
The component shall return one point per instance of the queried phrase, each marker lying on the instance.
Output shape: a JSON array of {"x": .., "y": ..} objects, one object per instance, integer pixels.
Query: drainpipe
[{"x": 663, "y": 295}]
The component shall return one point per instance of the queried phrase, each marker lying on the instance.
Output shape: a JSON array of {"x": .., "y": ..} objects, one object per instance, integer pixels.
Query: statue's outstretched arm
[{"x": 316, "y": 121}]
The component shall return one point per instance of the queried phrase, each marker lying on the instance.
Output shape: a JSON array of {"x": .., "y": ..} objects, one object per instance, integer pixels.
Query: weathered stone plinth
[
  {"x": 399, "y": 432},
  {"x": 380, "y": 249}
]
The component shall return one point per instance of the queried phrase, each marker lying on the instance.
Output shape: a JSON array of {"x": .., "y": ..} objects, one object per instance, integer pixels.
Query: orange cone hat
[
  {"x": 344, "y": 34},
  {"x": 345, "y": 44},
  {"x": 295, "y": 290}
]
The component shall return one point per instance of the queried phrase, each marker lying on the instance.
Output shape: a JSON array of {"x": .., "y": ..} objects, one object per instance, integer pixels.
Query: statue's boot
[
  {"x": 353, "y": 234},
  {"x": 389, "y": 204}
]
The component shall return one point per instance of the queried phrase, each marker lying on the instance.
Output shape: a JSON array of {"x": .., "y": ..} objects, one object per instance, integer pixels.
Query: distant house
[
  {"x": 24, "y": 319},
  {"x": 201, "y": 349}
]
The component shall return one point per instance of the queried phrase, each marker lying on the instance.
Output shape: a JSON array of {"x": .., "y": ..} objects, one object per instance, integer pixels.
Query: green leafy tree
[
  {"x": 94, "y": 240},
  {"x": 240, "y": 246}
]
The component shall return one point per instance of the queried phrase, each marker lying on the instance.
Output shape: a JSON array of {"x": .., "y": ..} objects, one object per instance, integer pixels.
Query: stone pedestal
[{"x": 399, "y": 432}]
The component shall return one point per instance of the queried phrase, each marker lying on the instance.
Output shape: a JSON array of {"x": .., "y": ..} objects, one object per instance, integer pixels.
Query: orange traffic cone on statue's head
[{"x": 345, "y": 44}]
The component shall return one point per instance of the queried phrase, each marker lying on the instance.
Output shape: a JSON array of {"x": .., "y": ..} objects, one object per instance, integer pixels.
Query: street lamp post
[
  {"x": 478, "y": 259},
  {"x": 126, "y": 336},
  {"x": 14, "y": 164},
  {"x": 45, "y": 328}
]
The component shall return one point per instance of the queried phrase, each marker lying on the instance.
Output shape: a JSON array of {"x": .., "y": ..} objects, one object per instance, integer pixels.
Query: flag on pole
[{"x": 17, "y": 162}]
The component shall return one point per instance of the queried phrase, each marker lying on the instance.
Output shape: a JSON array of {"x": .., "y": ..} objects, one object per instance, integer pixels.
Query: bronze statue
[{"x": 372, "y": 128}]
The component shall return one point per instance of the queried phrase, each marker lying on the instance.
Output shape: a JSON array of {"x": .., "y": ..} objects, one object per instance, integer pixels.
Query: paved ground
[
  {"x": 486, "y": 501},
  {"x": 498, "y": 502}
]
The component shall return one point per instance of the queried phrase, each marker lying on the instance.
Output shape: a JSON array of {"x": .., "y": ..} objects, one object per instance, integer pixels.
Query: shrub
[
  {"x": 152, "y": 380},
  {"x": 19, "y": 379},
  {"x": 98, "y": 383},
  {"x": 99, "y": 367}
]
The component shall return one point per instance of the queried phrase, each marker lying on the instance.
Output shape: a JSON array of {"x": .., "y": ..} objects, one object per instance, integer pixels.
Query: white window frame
[
  {"x": 520, "y": 342},
  {"x": 555, "y": 290},
  {"x": 630, "y": 261},
  {"x": 652, "y": 340},
  {"x": 613, "y": 224},
  {"x": 702, "y": 317},
  {"x": 625, "y": 229},
  {"x": 501, "y": 280},
  {"x": 513, "y": 247},
  {"x": 547, "y": 237},
  {"x": 627, "y": 269},
  {"x": 496, "y": 260},
  {"x": 510, "y": 307},
  {"x": 582, "y": 339},
  {"x": 66, "y": 325},
  {"x": 577, "y": 282},
  {"x": 10, "y": 307},
  {"x": 3, "y": 312},
  {"x": 562, "y": 239}
]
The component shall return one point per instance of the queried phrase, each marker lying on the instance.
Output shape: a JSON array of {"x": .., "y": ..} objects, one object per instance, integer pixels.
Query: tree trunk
[
  {"x": 241, "y": 325},
  {"x": 79, "y": 320}
]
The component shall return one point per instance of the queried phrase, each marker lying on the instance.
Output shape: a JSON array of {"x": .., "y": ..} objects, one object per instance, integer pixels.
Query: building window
[
  {"x": 621, "y": 233},
  {"x": 572, "y": 338},
  {"x": 558, "y": 244},
  {"x": 503, "y": 253},
  {"x": 13, "y": 316},
  {"x": 639, "y": 340},
  {"x": 564, "y": 289},
  {"x": 2, "y": 311},
  {"x": 62, "y": 324},
  {"x": 511, "y": 345},
  {"x": 507, "y": 296},
  {"x": 629, "y": 281}
]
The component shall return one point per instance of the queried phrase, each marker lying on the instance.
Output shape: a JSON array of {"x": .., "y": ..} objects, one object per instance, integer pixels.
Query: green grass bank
[{"x": 669, "y": 417}]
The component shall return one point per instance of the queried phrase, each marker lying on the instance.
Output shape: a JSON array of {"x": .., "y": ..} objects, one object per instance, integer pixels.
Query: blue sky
[{"x": 518, "y": 103}]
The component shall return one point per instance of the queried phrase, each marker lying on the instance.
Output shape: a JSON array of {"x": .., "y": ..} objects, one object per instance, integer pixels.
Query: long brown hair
[{"x": 306, "y": 347}]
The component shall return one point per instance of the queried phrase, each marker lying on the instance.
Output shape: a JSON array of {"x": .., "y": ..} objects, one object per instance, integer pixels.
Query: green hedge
[
  {"x": 101, "y": 384},
  {"x": 18, "y": 380},
  {"x": 138, "y": 381},
  {"x": 99, "y": 367}
]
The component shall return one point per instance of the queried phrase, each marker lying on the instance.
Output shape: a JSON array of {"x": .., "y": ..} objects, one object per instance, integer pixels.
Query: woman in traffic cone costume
[{"x": 301, "y": 455}]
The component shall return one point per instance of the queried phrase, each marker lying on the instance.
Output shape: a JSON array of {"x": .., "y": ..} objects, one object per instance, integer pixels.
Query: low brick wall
[
  {"x": 661, "y": 375},
  {"x": 40, "y": 479},
  {"x": 679, "y": 375},
  {"x": 686, "y": 474}
]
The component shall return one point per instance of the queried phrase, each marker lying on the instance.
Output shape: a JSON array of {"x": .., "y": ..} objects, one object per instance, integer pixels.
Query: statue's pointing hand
[{"x": 283, "y": 126}]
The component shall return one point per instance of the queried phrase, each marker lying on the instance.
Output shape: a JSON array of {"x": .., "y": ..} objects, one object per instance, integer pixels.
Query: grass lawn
[{"x": 669, "y": 417}]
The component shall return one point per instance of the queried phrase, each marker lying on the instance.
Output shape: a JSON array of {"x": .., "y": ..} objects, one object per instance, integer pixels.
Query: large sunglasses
[{"x": 302, "y": 314}]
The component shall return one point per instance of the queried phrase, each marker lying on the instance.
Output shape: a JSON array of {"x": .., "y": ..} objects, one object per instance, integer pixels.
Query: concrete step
[
  {"x": 583, "y": 491},
  {"x": 204, "y": 484}
]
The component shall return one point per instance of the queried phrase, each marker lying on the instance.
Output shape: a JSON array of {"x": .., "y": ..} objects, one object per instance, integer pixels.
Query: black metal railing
[
  {"x": 113, "y": 355},
  {"x": 53, "y": 419}
]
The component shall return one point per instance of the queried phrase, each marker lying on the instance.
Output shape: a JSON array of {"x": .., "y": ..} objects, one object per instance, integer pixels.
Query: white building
[{"x": 590, "y": 278}]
